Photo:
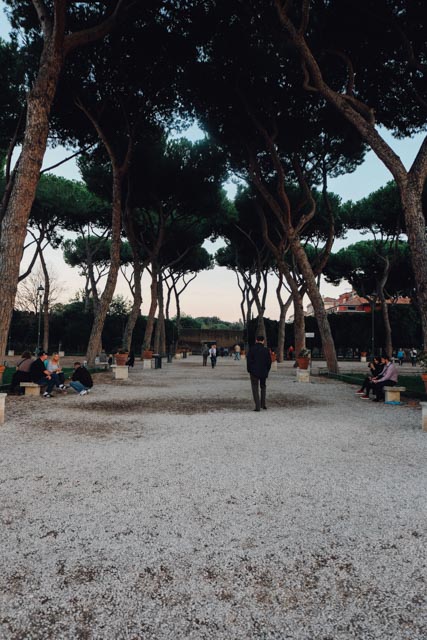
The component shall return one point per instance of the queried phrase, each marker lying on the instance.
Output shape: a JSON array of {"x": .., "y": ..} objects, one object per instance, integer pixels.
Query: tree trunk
[
  {"x": 318, "y": 305},
  {"x": 14, "y": 223},
  {"x": 299, "y": 324},
  {"x": 136, "y": 305},
  {"x": 410, "y": 183},
  {"x": 416, "y": 231},
  {"x": 46, "y": 297},
  {"x": 260, "y": 328},
  {"x": 284, "y": 306},
  {"x": 107, "y": 295},
  {"x": 387, "y": 326},
  {"x": 153, "y": 306},
  {"x": 159, "y": 333}
]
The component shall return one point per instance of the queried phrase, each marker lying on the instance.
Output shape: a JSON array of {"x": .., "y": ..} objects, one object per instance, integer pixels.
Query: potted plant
[
  {"x": 363, "y": 355},
  {"x": 2, "y": 370},
  {"x": 147, "y": 354},
  {"x": 422, "y": 361},
  {"x": 121, "y": 357},
  {"x": 303, "y": 359}
]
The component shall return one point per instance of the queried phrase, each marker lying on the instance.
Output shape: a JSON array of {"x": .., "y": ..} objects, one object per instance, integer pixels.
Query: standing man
[
  {"x": 237, "y": 352},
  {"x": 212, "y": 354},
  {"x": 258, "y": 363},
  {"x": 205, "y": 354}
]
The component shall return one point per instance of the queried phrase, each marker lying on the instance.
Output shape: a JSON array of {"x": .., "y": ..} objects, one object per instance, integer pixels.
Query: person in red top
[{"x": 291, "y": 353}]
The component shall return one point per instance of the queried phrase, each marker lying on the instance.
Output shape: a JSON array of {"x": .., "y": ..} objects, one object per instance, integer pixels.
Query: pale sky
[{"x": 215, "y": 292}]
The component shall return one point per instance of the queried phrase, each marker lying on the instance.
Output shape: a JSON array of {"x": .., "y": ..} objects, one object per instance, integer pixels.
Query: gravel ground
[{"x": 163, "y": 507}]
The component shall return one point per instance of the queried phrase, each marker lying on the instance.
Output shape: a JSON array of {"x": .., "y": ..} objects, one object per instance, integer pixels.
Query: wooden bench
[
  {"x": 30, "y": 388},
  {"x": 392, "y": 394}
]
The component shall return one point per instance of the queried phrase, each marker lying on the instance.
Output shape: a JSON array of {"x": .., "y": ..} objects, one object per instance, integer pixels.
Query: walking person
[
  {"x": 258, "y": 364},
  {"x": 401, "y": 356},
  {"x": 237, "y": 351},
  {"x": 413, "y": 355},
  {"x": 131, "y": 359},
  {"x": 213, "y": 355},
  {"x": 205, "y": 355}
]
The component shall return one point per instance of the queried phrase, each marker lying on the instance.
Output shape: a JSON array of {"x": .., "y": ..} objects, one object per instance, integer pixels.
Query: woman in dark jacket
[
  {"x": 22, "y": 373},
  {"x": 375, "y": 369}
]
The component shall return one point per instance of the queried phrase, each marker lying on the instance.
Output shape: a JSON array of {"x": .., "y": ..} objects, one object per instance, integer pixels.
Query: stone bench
[
  {"x": 30, "y": 388},
  {"x": 120, "y": 372},
  {"x": 392, "y": 394}
]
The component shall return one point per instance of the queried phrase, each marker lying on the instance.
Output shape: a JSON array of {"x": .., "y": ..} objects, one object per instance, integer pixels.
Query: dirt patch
[
  {"x": 88, "y": 429},
  {"x": 188, "y": 406}
]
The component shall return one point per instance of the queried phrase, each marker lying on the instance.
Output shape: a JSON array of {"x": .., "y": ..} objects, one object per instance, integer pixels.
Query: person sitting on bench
[
  {"x": 41, "y": 376},
  {"x": 375, "y": 369},
  {"x": 388, "y": 378},
  {"x": 22, "y": 373}
]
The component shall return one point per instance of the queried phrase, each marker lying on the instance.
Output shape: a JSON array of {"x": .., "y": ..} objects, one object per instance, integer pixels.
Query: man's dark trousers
[{"x": 256, "y": 383}]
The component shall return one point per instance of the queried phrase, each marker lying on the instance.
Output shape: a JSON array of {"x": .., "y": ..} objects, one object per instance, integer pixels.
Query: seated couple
[
  {"x": 48, "y": 373},
  {"x": 383, "y": 373}
]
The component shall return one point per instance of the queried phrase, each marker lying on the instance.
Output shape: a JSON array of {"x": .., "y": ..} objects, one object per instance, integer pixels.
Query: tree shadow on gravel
[{"x": 187, "y": 406}]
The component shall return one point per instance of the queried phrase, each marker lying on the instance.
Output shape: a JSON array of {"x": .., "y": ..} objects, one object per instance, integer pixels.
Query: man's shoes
[
  {"x": 364, "y": 397},
  {"x": 83, "y": 393},
  {"x": 257, "y": 409},
  {"x": 377, "y": 399},
  {"x": 46, "y": 395},
  {"x": 360, "y": 392},
  {"x": 63, "y": 387},
  {"x": 265, "y": 408}
]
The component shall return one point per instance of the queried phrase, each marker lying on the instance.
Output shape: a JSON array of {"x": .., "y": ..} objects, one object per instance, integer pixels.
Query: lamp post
[{"x": 40, "y": 291}]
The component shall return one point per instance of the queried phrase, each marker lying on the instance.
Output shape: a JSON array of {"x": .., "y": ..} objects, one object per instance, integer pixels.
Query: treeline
[
  {"x": 352, "y": 332},
  {"x": 288, "y": 95},
  {"x": 70, "y": 324}
]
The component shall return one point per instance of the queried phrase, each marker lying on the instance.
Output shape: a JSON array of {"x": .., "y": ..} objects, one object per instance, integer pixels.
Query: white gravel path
[{"x": 163, "y": 507}]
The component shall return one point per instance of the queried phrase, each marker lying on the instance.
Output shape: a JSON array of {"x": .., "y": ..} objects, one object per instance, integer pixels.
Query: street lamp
[
  {"x": 373, "y": 300},
  {"x": 39, "y": 299}
]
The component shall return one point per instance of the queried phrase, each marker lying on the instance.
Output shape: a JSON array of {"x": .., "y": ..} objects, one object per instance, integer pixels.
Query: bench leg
[
  {"x": 392, "y": 397},
  {"x": 32, "y": 391}
]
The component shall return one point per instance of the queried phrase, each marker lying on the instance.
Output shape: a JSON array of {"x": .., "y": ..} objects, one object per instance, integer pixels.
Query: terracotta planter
[
  {"x": 2, "y": 370},
  {"x": 121, "y": 359},
  {"x": 303, "y": 363},
  {"x": 147, "y": 354},
  {"x": 424, "y": 379}
]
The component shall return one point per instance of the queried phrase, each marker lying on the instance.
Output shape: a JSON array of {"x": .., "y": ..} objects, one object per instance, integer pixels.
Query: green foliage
[{"x": 362, "y": 265}]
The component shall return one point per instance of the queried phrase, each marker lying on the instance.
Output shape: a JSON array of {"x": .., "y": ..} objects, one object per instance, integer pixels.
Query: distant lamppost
[
  {"x": 373, "y": 300},
  {"x": 39, "y": 300}
]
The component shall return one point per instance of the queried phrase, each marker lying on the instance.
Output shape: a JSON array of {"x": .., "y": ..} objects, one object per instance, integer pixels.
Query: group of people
[
  {"x": 47, "y": 372},
  {"x": 413, "y": 355},
  {"x": 382, "y": 373}
]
